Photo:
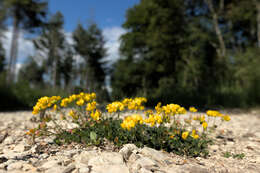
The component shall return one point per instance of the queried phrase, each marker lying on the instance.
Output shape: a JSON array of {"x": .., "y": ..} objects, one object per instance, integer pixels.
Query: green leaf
[{"x": 93, "y": 136}]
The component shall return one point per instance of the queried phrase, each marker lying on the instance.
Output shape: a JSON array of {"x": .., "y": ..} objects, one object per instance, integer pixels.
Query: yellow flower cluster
[
  {"x": 131, "y": 104},
  {"x": 115, "y": 106},
  {"x": 131, "y": 121},
  {"x": 212, "y": 113},
  {"x": 173, "y": 109},
  {"x": 194, "y": 134},
  {"x": 91, "y": 106},
  {"x": 158, "y": 108},
  {"x": 193, "y": 109},
  {"x": 161, "y": 115},
  {"x": 135, "y": 104},
  {"x": 95, "y": 115},
  {"x": 226, "y": 118},
  {"x": 153, "y": 119},
  {"x": 44, "y": 103},
  {"x": 73, "y": 114},
  {"x": 79, "y": 98}
]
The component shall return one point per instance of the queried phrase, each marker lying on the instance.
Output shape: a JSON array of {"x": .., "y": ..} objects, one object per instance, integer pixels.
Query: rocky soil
[{"x": 240, "y": 136}]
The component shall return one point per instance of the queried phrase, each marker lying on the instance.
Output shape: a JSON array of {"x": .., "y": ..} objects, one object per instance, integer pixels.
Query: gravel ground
[{"x": 240, "y": 136}]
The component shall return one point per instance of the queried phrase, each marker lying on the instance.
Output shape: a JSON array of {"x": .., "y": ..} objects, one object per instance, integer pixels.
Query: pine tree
[
  {"x": 2, "y": 29},
  {"x": 153, "y": 43},
  {"x": 27, "y": 15},
  {"x": 52, "y": 42},
  {"x": 89, "y": 44}
]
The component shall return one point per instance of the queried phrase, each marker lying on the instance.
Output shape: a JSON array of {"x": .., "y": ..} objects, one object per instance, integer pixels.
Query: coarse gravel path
[{"x": 240, "y": 136}]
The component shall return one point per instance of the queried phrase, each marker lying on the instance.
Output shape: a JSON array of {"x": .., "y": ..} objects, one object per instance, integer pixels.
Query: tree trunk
[
  {"x": 13, "y": 52},
  {"x": 54, "y": 70},
  {"x": 258, "y": 22},
  {"x": 222, "y": 45},
  {"x": 232, "y": 37}
]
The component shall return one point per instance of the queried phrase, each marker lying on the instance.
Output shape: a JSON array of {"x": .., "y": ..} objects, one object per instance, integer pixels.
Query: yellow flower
[
  {"x": 137, "y": 118},
  {"x": 181, "y": 110},
  {"x": 194, "y": 135},
  {"x": 96, "y": 115},
  {"x": 128, "y": 123},
  {"x": 212, "y": 113},
  {"x": 73, "y": 114},
  {"x": 123, "y": 125},
  {"x": 226, "y": 118},
  {"x": 126, "y": 101},
  {"x": 31, "y": 132},
  {"x": 158, "y": 108},
  {"x": 64, "y": 102},
  {"x": 115, "y": 106},
  {"x": 172, "y": 136},
  {"x": 193, "y": 109},
  {"x": 135, "y": 104},
  {"x": 204, "y": 125},
  {"x": 80, "y": 102},
  {"x": 185, "y": 135},
  {"x": 36, "y": 109},
  {"x": 193, "y": 132},
  {"x": 91, "y": 106},
  {"x": 202, "y": 118},
  {"x": 55, "y": 107},
  {"x": 151, "y": 120},
  {"x": 158, "y": 119},
  {"x": 93, "y": 96}
]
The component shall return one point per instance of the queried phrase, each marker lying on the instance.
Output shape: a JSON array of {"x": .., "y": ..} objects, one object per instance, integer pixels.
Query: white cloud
[
  {"x": 112, "y": 35},
  {"x": 25, "y": 46}
]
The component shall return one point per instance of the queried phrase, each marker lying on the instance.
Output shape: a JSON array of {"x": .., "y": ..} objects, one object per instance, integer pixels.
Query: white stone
[
  {"x": 28, "y": 167},
  {"x": 15, "y": 165},
  {"x": 69, "y": 168},
  {"x": 127, "y": 150},
  {"x": 85, "y": 156},
  {"x": 107, "y": 158},
  {"x": 8, "y": 153},
  {"x": 154, "y": 154},
  {"x": 83, "y": 169},
  {"x": 50, "y": 164},
  {"x": 133, "y": 157},
  {"x": 143, "y": 162},
  {"x": 214, "y": 147},
  {"x": 21, "y": 148},
  {"x": 9, "y": 140},
  {"x": 143, "y": 170},
  {"x": 55, "y": 169},
  {"x": 70, "y": 153},
  {"x": 110, "y": 169}
]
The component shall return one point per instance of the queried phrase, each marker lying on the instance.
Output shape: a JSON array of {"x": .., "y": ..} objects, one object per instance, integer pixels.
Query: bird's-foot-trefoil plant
[{"x": 170, "y": 127}]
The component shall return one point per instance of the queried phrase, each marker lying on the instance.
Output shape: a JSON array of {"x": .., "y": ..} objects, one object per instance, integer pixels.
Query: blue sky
[
  {"x": 109, "y": 16},
  {"x": 106, "y": 13}
]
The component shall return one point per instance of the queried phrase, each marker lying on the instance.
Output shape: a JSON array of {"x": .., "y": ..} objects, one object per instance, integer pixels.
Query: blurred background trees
[
  {"x": 26, "y": 15},
  {"x": 190, "y": 52},
  {"x": 204, "y": 53}
]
